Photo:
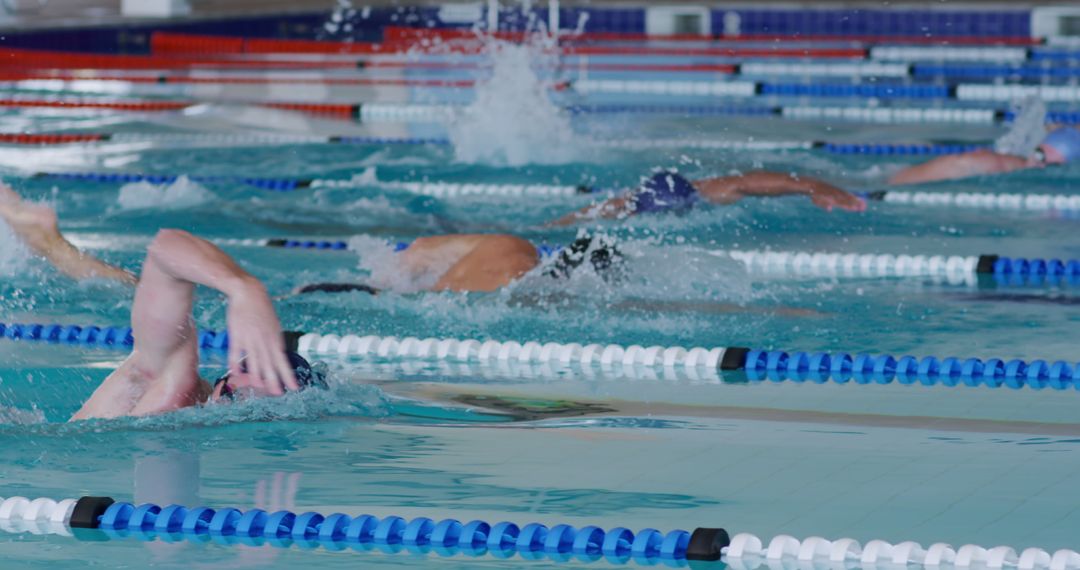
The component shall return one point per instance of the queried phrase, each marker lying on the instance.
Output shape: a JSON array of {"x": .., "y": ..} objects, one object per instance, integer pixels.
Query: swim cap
[
  {"x": 306, "y": 376},
  {"x": 606, "y": 259},
  {"x": 337, "y": 288},
  {"x": 1065, "y": 142},
  {"x": 664, "y": 191}
]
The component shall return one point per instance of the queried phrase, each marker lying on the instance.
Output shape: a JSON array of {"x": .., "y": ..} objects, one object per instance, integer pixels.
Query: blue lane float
[
  {"x": 392, "y": 534},
  {"x": 820, "y": 367},
  {"x": 995, "y": 72}
]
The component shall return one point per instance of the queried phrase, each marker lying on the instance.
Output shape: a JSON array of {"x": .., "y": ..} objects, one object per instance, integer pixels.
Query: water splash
[
  {"x": 387, "y": 272},
  {"x": 513, "y": 122},
  {"x": 1028, "y": 128},
  {"x": 13, "y": 254},
  {"x": 654, "y": 273},
  {"x": 181, "y": 194},
  {"x": 340, "y": 24}
]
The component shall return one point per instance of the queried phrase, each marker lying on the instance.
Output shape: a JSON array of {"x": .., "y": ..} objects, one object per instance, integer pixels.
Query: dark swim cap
[
  {"x": 665, "y": 191},
  {"x": 306, "y": 376},
  {"x": 337, "y": 288},
  {"x": 606, "y": 259}
]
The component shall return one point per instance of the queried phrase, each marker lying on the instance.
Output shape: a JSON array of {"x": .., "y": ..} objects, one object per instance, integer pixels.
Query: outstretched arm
[
  {"x": 954, "y": 166},
  {"x": 617, "y": 207},
  {"x": 36, "y": 226},
  {"x": 731, "y": 189}
]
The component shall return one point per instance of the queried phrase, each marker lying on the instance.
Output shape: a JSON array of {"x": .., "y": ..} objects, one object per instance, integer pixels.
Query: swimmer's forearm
[
  {"x": 80, "y": 265},
  {"x": 611, "y": 208},
  {"x": 728, "y": 189},
  {"x": 185, "y": 257}
]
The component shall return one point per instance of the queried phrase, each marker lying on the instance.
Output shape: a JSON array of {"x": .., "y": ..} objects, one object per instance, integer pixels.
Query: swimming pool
[{"x": 612, "y": 446}]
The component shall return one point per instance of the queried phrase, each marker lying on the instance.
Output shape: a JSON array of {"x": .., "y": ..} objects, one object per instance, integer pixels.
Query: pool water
[{"x": 892, "y": 462}]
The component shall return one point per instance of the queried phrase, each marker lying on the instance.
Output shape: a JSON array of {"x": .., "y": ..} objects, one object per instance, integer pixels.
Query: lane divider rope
[
  {"x": 805, "y": 262},
  {"x": 560, "y": 543},
  {"x": 420, "y": 535},
  {"x": 980, "y": 200},
  {"x": 749, "y": 89},
  {"x": 78, "y": 81},
  {"x": 712, "y": 144},
  {"x": 376, "y": 112},
  {"x": 817, "y": 367},
  {"x": 985, "y": 73},
  {"x": 747, "y": 551}
]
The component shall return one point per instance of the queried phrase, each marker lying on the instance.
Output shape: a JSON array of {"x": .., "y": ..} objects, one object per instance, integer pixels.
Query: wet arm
[
  {"x": 611, "y": 208},
  {"x": 80, "y": 265},
  {"x": 954, "y": 166},
  {"x": 731, "y": 189},
  {"x": 254, "y": 329},
  {"x": 36, "y": 226}
]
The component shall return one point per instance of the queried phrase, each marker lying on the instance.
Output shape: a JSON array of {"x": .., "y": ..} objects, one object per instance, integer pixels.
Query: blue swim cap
[
  {"x": 1066, "y": 141},
  {"x": 664, "y": 191}
]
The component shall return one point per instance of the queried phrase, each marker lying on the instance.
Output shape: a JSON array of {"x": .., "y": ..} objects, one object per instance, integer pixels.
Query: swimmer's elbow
[{"x": 165, "y": 240}]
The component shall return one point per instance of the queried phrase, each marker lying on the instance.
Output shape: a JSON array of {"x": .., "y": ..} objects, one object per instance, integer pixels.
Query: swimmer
[
  {"x": 161, "y": 374},
  {"x": 464, "y": 262},
  {"x": 486, "y": 262},
  {"x": 667, "y": 191},
  {"x": 1060, "y": 146}
]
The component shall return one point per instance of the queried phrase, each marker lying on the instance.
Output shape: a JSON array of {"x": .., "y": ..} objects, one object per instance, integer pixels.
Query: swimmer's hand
[
  {"x": 256, "y": 345},
  {"x": 826, "y": 196}
]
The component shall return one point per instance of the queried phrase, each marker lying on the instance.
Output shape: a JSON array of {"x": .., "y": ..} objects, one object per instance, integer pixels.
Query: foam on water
[
  {"x": 341, "y": 400},
  {"x": 13, "y": 254},
  {"x": 181, "y": 194},
  {"x": 512, "y": 121},
  {"x": 378, "y": 258}
]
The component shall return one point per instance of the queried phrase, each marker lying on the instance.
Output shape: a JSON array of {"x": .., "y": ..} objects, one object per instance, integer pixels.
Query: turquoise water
[{"x": 891, "y": 462}]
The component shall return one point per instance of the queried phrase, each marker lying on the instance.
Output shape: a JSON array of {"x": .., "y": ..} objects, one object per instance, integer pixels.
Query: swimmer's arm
[
  {"x": 612, "y": 208},
  {"x": 254, "y": 329},
  {"x": 37, "y": 226},
  {"x": 954, "y": 166},
  {"x": 79, "y": 265},
  {"x": 731, "y": 189}
]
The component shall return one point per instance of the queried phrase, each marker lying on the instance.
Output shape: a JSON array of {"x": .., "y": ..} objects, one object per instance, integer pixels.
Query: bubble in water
[
  {"x": 183, "y": 193},
  {"x": 513, "y": 122}
]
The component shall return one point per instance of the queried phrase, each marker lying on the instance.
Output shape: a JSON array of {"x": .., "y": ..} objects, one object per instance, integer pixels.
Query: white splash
[
  {"x": 513, "y": 122},
  {"x": 13, "y": 254},
  {"x": 183, "y": 193},
  {"x": 1028, "y": 128},
  {"x": 378, "y": 258}
]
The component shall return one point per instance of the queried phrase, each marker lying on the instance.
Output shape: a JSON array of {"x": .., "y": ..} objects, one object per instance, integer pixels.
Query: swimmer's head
[
  {"x": 306, "y": 377},
  {"x": 665, "y": 191},
  {"x": 1061, "y": 146},
  {"x": 606, "y": 259}
]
